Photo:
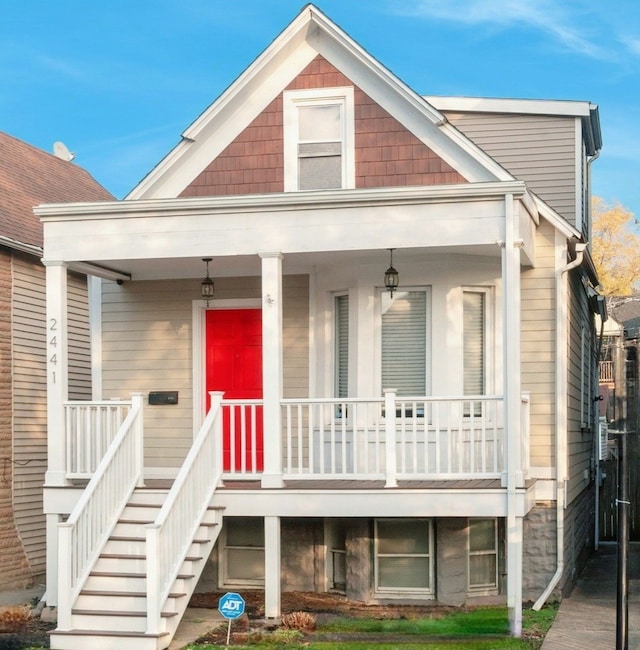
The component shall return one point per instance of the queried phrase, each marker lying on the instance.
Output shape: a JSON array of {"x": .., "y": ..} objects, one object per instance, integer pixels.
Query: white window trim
[
  {"x": 386, "y": 592},
  {"x": 378, "y": 337},
  {"x": 318, "y": 96},
  {"x": 483, "y": 590}
]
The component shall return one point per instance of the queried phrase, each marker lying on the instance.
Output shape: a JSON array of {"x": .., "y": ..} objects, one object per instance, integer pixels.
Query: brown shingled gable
[
  {"x": 29, "y": 177},
  {"x": 387, "y": 154}
]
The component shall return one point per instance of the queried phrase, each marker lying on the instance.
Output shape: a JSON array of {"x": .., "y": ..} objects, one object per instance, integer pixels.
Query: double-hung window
[
  {"x": 243, "y": 551},
  {"x": 404, "y": 342},
  {"x": 483, "y": 555},
  {"x": 474, "y": 347},
  {"x": 404, "y": 556},
  {"x": 319, "y": 139}
]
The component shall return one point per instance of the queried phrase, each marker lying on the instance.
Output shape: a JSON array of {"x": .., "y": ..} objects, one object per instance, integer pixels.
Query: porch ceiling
[{"x": 177, "y": 268}]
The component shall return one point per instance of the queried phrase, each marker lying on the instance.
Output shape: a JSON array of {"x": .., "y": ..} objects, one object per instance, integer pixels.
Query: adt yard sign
[{"x": 231, "y": 605}]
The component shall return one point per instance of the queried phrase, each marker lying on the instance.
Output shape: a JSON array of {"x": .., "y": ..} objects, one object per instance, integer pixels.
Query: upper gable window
[{"x": 318, "y": 139}]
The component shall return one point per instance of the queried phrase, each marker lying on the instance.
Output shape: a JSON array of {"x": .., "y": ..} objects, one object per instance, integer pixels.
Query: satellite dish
[{"x": 60, "y": 151}]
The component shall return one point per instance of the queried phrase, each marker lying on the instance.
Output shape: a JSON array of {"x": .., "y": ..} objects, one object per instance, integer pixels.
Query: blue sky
[{"x": 118, "y": 80}]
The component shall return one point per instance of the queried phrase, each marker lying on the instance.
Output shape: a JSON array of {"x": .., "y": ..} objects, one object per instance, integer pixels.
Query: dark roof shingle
[{"x": 29, "y": 177}]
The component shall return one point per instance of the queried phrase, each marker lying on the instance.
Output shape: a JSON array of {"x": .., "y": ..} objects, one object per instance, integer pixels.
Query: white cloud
[{"x": 561, "y": 21}]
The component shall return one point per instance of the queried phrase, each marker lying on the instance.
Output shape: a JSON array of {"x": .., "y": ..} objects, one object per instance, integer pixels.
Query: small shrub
[
  {"x": 302, "y": 621},
  {"x": 285, "y": 637},
  {"x": 14, "y": 619}
]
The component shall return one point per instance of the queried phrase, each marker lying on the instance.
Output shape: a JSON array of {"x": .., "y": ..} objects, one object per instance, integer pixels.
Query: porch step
[
  {"x": 107, "y": 640},
  {"x": 110, "y": 611}
]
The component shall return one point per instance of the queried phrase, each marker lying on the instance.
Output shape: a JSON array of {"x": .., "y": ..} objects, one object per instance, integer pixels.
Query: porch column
[
  {"x": 512, "y": 407},
  {"x": 272, "y": 367},
  {"x": 272, "y": 567},
  {"x": 57, "y": 370}
]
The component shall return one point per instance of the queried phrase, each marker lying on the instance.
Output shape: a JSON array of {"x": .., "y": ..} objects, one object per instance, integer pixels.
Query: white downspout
[{"x": 561, "y": 419}]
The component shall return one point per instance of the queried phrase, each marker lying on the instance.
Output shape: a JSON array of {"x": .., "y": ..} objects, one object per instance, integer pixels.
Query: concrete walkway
[{"x": 587, "y": 618}]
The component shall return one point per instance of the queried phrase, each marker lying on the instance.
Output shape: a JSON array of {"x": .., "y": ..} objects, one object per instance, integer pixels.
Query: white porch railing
[
  {"x": 172, "y": 533},
  {"x": 396, "y": 437},
  {"x": 90, "y": 427},
  {"x": 83, "y": 535}
]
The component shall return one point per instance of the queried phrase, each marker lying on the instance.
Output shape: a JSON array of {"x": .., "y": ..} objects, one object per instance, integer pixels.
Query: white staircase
[{"x": 110, "y": 612}]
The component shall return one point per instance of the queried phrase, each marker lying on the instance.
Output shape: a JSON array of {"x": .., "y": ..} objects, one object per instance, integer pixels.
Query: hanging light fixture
[
  {"x": 207, "y": 288},
  {"x": 391, "y": 277}
]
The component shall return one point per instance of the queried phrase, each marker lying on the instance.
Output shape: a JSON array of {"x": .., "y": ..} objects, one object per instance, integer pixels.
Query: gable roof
[
  {"x": 29, "y": 177},
  {"x": 309, "y": 35}
]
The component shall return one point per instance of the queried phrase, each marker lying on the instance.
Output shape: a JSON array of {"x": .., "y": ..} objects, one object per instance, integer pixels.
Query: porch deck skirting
[{"x": 381, "y": 439}]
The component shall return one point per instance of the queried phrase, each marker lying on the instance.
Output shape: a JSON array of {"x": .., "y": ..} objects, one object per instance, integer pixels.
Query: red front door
[{"x": 234, "y": 365}]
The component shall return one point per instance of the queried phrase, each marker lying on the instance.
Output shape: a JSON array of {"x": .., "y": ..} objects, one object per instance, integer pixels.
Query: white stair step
[
  {"x": 92, "y": 640},
  {"x": 122, "y": 600},
  {"x": 156, "y": 497},
  {"x": 141, "y": 512},
  {"x": 135, "y": 621}
]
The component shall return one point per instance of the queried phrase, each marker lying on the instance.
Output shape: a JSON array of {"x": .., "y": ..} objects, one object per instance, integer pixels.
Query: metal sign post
[{"x": 231, "y": 606}]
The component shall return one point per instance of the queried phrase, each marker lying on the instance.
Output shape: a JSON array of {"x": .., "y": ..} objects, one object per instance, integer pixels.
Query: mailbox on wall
[{"x": 163, "y": 397}]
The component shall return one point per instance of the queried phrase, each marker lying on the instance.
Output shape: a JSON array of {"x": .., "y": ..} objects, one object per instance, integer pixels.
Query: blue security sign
[{"x": 231, "y": 605}]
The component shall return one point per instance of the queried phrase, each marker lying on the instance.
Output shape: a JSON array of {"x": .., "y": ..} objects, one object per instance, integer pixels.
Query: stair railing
[
  {"x": 82, "y": 537},
  {"x": 171, "y": 535}
]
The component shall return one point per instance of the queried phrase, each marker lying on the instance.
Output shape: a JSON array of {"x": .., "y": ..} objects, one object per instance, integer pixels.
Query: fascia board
[
  {"x": 14, "y": 244},
  {"x": 285, "y": 201},
  {"x": 556, "y": 220},
  {"x": 499, "y": 105}
]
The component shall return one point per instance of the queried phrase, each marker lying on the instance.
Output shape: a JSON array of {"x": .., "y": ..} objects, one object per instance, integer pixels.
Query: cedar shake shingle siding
[{"x": 387, "y": 155}]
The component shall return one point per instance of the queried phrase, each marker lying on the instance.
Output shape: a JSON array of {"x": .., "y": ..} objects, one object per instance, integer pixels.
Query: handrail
[
  {"x": 169, "y": 537},
  {"x": 83, "y": 535}
]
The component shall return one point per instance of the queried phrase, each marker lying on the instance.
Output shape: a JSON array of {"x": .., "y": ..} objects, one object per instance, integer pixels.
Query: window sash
[
  {"x": 404, "y": 342},
  {"x": 403, "y": 555},
  {"x": 483, "y": 554},
  {"x": 341, "y": 329}
]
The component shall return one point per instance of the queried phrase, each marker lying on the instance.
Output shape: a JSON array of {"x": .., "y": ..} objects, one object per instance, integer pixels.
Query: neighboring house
[
  {"x": 28, "y": 177},
  {"x": 433, "y": 441},
  {"x": 620, "y": 404}
]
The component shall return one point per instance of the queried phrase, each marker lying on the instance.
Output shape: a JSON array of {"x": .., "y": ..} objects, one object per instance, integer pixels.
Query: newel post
[
  {"x": 390, "y": 436},
  {"x": 137, "y": 405}
]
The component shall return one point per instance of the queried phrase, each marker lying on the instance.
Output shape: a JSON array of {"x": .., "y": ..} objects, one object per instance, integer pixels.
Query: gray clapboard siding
[
  {"x": 537, "y": 149},
  {"x": 29, "y": 392},
  {"x": 146, "y": 345}
]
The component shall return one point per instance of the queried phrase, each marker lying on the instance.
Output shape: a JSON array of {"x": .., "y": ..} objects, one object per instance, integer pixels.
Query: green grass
[{"x": 484, "y": 628}]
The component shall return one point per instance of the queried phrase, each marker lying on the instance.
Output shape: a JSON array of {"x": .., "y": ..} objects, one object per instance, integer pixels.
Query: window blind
[{"x": 404, "y": 343}]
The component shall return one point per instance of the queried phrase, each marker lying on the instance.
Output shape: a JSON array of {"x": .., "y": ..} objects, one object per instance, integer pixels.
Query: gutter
[
  {"x": 20, "y": 246},
  {"x": 561, "y": 426}
]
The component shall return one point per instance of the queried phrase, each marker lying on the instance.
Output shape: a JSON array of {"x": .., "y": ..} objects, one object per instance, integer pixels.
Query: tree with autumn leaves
[{"x": 615, "y": 248}]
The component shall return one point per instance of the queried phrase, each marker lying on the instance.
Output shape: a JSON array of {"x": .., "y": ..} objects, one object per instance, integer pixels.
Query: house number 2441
[{"x": 53, "y": 345}]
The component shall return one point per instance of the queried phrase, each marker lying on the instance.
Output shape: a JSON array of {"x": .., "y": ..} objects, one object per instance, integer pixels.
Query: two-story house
[
  {"x": 29, "y": 176},
  {"x": 344, "y": 343}
]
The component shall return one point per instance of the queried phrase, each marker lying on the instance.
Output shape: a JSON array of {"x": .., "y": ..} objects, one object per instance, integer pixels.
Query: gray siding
[
  {"x": 537, "y": 149},
  {"x": 147, "y": 346},
  {"x": 580, "y": 387},
  {"x": 30, "y": 393}
]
